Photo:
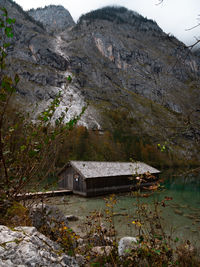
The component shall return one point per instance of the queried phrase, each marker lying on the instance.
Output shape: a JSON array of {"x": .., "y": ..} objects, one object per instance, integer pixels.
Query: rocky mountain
[
  {"x": 54, "y": 18},
  {"x": 124, "y": 68},
  {"x": 42, "y": 68}
]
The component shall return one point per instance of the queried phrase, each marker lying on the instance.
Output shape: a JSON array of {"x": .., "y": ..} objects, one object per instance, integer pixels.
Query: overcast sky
[{"x": 173, "y": 16}]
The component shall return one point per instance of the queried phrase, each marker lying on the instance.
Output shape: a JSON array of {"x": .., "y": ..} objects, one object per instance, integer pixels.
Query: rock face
[
  {"x": 24, "y": 246},
  {"x": 43, "y": 68},
  {"x": 197, "y": 51},
  {"x": 119, "y": 61},
  {"x": 131, "y": 55},
  {"x": 124, "y": 62},
  {"x": 54, "y": 18}
]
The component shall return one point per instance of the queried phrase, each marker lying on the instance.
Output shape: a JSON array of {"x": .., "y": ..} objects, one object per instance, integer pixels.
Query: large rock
[
  {"x": 126, "y": 244},
  {"x": 49, "y": 215},
  {"x": 25, "y": 246},
  {"x": 72, "y": 218},
  {"x": 48, "y": 220}
]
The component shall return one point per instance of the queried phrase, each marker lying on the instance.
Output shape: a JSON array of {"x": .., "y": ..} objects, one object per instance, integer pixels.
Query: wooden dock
[{"x": 45, "y": 194}]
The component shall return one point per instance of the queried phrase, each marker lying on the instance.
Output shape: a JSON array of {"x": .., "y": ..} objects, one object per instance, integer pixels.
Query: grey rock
[
  {"x": 80, "y": 241},
  {"x": 43, "y": 215},
  {"x": 72, "y": 218},
  {"x": 80, "y": 259},
  {"x": 8, "y": 263},
  {"x": 27, "y": 247},
  {"x": 54, "y": 18},
  {"x": 27, "y": 230},
  {"x": 126, "y": 244}
]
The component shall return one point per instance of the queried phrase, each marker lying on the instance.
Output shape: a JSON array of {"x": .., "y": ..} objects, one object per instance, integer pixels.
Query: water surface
[{"x": 181, "y": 214}]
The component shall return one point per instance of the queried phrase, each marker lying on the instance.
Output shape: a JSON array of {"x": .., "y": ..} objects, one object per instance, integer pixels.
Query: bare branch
[
  {"x": 193, "y": 27},
  {"x": 191, "y": 46},
  {"x": 159, "y": 2}
]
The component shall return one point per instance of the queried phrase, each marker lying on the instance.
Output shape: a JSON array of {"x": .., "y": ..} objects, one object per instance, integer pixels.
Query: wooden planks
[{"x": 45, "y": 194}]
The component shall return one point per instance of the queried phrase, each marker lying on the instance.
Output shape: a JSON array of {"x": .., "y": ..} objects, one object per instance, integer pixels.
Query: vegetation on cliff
[{"x": 119, "y": 15}]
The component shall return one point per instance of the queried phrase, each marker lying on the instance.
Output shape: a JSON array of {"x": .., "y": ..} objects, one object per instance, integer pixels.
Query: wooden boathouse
[{"x": 93, "y": 178}]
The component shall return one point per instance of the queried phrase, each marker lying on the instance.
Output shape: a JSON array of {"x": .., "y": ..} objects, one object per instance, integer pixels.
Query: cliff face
[
  {"x": 136, "y": 56},
  {"x": 119, "y": 61},
  {"x": 42, "y": 68},
  {"x": 122, "y": 61}
]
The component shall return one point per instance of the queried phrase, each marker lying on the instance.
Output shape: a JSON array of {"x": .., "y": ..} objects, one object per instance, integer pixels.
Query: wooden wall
[
  {"x": 103, "y": 185},
  {"x": 66, "y": 178},
  {"x": 79, "y": 184},
  {"x": 70, "y": 179}
]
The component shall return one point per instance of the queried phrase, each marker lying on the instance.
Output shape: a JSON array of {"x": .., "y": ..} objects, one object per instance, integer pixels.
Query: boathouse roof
[{"x": 94, "y": 169}]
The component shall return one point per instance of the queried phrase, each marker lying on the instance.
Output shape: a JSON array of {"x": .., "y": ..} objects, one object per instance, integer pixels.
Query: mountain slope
[
  {"x": 135, "y": 79},
  {"x": 42, "y": 68},
  {"x": 144, "y": 59},
  {"x": 122, "y": 61}
]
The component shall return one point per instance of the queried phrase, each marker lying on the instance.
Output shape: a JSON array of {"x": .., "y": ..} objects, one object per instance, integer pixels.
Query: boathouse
[{"x": 92, "y": 178}]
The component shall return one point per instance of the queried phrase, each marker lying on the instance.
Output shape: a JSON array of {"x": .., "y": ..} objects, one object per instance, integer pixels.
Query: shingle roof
[{"x": 92, "y": 169}]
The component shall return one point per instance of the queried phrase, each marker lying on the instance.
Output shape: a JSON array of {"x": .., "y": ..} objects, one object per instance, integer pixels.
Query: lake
[{"x": 181, "y": 214}]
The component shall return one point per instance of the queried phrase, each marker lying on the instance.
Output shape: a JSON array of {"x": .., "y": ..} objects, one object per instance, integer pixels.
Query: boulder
[
  {"x": 48, "y": 220},
  {"x": 72, "y": 218},
  {"x": 25, "y": 246},
  {"x": 126, "y": 244},
  {"x": 80, "y": 259},
  {"x": 43, "y": 214}
]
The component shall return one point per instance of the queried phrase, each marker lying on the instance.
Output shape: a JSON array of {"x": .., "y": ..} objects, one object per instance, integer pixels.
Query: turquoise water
[{"x": 181, "y": 216}]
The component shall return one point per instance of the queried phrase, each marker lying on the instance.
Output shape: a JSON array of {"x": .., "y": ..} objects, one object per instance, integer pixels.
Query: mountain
[
  {"x": 133, "y": 77},
  {"x": 34, "y": 57},
  {"x": 54, "y": 18}
]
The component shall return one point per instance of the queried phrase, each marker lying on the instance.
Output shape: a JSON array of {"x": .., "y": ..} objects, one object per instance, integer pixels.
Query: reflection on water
[{"x": 181, "y": 215}]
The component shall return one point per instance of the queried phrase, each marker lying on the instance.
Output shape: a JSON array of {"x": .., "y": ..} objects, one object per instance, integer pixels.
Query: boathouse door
[{"x": 77, "y": 183}]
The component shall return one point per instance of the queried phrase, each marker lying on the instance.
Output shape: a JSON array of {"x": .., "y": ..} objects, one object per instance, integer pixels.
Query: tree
[{"x": 28, "y": 151}]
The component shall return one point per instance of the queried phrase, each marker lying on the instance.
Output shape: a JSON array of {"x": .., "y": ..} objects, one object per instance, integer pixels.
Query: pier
[{"x": 45, "y": 194}]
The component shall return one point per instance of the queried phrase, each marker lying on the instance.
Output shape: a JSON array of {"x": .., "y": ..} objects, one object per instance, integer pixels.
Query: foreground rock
[
  {"x": 126, "y": 244},
  {"x": 47, "y": 219},
  {"x": 72, "y": 218},
  {"x": 43, "y": 214},
  {"x": 25, "y": 246}
]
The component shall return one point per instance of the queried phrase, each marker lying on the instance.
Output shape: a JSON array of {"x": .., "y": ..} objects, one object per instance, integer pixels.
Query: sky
[{"x": 173, "y": 16}]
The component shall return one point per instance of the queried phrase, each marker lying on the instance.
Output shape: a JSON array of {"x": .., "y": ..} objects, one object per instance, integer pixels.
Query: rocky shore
[{"x": 27, "y": 246}]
